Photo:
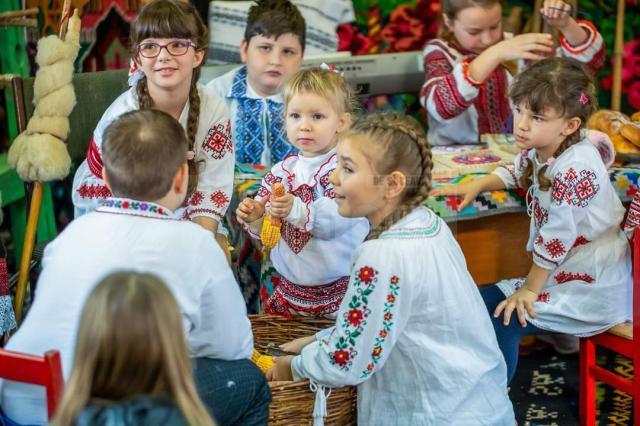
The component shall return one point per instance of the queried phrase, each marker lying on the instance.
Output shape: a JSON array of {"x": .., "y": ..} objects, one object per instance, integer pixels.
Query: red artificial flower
[
  {"x": 350, "y": 39},
  {"x": 341, "y": 357},
  {"x": 355, "y": 317},
  {"x": 366, "y": 274},
  {"x": 409, "y": 27}
]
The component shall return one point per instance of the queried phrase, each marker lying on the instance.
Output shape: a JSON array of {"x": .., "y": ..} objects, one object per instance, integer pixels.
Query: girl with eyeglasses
[{"x": 168, "y": 47}]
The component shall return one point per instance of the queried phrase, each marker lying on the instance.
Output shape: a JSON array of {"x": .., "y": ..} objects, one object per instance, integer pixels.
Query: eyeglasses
[{"x": 175, "y": 48}]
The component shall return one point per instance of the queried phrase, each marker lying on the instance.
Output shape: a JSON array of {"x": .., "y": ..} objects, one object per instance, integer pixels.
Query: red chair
[
  {"x": 621, "y": 340},
  {"x": 37, "y": 370}
]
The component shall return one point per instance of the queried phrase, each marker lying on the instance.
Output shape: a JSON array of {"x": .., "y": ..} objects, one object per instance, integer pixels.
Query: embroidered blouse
[
  {"x": 458, "y": 111},
  {"x": 317, "y": 243},
  {"x": 213, "y": 150},
  {"x": 413, "y": 333},
  {"x": 575, "y": 233}
]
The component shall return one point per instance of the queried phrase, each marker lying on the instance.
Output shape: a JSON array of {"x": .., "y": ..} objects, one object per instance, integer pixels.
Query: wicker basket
[{"x": 292, "y": 402}]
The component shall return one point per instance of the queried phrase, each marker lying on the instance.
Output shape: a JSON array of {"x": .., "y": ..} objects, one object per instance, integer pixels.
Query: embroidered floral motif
[
  {"x": 575, "y": 188},
  {"x": 580, "y": 241},
  {"x": 219, "y": 199},
  {"x": 376, "y": 354},
  {"x": 563, "y": 277},
  {"x": 262, "y": 192},
  {"x": 94, "y": 191},
  {"x": 270, "y": 179},
  {"x": 325, "y": 182},
  {"x": 544, "y": 297},
  {"x": 196, "y": 198},
  {"x": 305, "y": 193},
  {"x": 137, "y": 206},
  {"x": 555, "y": 248},
  {"x": 354, "y": 320},
  {"x": 218, "y": 142},
  {"x": 540, "y": 215},
  {"x": 295, "y": 237},
  {"x": 539, "y": 240}
]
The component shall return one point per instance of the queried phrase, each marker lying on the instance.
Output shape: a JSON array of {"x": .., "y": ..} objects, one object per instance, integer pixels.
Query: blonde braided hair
[{"x": 402, "y": 146}]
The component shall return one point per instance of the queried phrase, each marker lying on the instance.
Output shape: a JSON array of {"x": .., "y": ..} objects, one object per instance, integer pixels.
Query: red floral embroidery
[
  {"x": 391, "y": 298},
  {"x": 219, "y": 198},
  {"x": 376, "y": 351},
  {"x": 575, "y": 188},
  {"x": 355, "y": 317},
  {"x": 341, "y": 357},
  {"x": 94, "y": 191},
  {"x": 539, "y": 240},
  {"x": 196, "y": 198},
  {"x": 295, "y": 237},
  {"x": 544, "y": 297},
  {"x": 366, "y": 274},
  {"x": 563, "y": 277},
  {"x": 218, "y": 142},
  {"x": 270, "y": 179},
  {"x": 555, "y": 248},
  {"x": 383, "y": 333},
  {"x": 580, "y": 241},
  {"x": 540, "y": 215},
  {"x": 388, "y": 316}
]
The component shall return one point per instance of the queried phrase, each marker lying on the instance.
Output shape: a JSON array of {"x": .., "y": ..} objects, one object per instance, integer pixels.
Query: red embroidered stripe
[
  {"x": 563, "y": 277},
  {"x": 449, "y": 101},
  {"x": 94, "y": 159},
  {"x": 593, "y": 35},
  {"x": 93, "y": 191}
]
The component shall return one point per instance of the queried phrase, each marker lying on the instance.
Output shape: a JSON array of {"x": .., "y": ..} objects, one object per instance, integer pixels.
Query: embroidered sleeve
[
  {"x": 264, "y": 190},
  {"x": 445, "y": 93},
  {"x": 369, "y": 321},
  {"x": 591, "y": 52},
  {"x": 216, "y": 162},
  {"x": 574, "y": 189},
  {"x": 511, "y": 173}
]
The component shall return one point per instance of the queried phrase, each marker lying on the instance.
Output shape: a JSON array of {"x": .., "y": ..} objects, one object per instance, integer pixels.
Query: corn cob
[
  {"x": 264, "y": 362},
  {"x": 270, "y": 233}
]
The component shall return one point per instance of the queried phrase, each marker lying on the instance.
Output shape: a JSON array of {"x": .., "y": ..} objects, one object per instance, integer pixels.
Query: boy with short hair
[
  {"x": 145, "y": 168},
  {"x": 271, "y": 50}
]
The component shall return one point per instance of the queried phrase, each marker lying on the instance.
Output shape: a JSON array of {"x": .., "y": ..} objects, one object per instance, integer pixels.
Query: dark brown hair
[
  {"x": 562, "y": 84},
  {"x": 396, "y": 142},
  {"x": 274, "y": 18},
  {"x": 131, "y": 342},
  {"x": 142, "y": 152},
  {"x": 451, "y": 8},
  {"x": 173, "y": 19}
]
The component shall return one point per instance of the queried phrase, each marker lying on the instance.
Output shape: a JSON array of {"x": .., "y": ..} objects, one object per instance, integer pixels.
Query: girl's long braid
[
  {"x": 192, "y": 130},
  {"x": 390, "y": 125},
  {"x": 144, "y": 98}
]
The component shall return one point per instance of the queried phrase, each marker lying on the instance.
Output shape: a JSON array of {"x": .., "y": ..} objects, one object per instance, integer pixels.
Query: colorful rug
[{"x": 546, "y": 387}]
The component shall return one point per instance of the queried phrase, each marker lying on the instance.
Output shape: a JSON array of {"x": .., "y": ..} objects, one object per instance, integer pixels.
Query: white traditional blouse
[
  {"x": 213, "y": 151},
  {"x": 413, "y": 333},
  {"x": 458, "y": 112},
  {"x": 316, "y": 243},
  {"x": 575, "y": 233},
  {"x": 128, "y": 235}
]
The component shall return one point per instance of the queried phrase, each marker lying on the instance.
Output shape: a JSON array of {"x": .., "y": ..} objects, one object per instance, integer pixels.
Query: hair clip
[
  {"x": 191, "y": 155},
  {"x": 584, "y": 99},
  {"x": 331, "y": 67}
]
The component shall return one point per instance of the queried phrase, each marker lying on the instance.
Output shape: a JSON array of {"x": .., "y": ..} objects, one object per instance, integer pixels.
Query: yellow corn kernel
[
  {"x": 264, "y": 362},
  {"x": 270, "y": 233}
]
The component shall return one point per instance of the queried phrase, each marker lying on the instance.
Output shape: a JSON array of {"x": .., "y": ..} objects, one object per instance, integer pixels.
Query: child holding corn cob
[
  {"x": 412, "y": 332},
  {"x": 314, "y": 252}
]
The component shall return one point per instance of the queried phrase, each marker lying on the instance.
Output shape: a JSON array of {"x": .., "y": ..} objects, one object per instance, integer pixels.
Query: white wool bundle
[{"x": 39, "y": 153}]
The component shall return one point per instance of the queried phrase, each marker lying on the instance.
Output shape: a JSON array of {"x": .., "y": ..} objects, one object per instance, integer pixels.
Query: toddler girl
[{"x": 313, "y": 255}]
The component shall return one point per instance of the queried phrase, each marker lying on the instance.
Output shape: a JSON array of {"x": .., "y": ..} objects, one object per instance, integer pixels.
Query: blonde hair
[
  {"x": 173, "y": 19},
  {"x": 131, "y": 342},
  {"x": 396, "y": 142},
  {"x": 325, "y": 83},
  {"x": 564, "y": 85}
]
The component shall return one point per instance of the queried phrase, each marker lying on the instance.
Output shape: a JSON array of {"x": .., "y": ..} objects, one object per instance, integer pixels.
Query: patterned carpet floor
[{"x": 545, "y": 389}]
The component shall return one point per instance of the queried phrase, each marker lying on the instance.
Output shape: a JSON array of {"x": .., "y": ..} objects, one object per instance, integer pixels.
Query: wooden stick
[
  {"x": 618, "y": 50},
  {"x": 18, "y": 22},
  {"x": 27, "y": 250},
  {"x": 19, "y": 13}
]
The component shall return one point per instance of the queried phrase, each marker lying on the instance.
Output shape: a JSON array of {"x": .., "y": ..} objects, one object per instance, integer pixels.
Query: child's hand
[
  {"x": 282, "y": 370},
  {"x": 250, "y": 210},
  {"x": 468, "y": 191},
  {"x": 522, "y": 301},
  {"x": 531, "y": 46},
  {"x": 296, "y": 346},
  {"x": 557, "y": 13},
  {"x": 281, "y": 206}
]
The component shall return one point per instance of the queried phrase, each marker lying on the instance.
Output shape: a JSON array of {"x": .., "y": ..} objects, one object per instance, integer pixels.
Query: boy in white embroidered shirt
[
  {"x": 145, "y": 168},
  {"x": 412, "y": 331},
  {"x": 313, "y": 256}
]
